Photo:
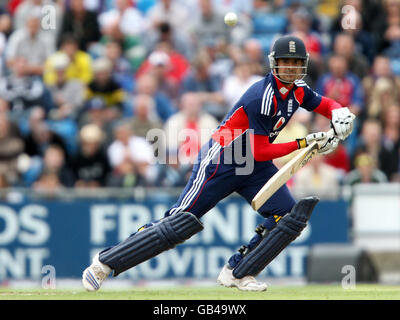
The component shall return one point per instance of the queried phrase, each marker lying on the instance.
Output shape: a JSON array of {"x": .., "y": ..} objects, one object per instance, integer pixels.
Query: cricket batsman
[{"x": 254, "y": 122}]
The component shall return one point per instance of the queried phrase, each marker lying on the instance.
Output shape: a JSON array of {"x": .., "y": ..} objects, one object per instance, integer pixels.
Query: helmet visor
[{"x": 289, "y": 74}]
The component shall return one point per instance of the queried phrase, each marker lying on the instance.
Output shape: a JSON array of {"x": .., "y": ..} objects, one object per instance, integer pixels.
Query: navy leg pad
[
  {"x": 287, "y": 230},
  {"x": 151, "y": 241}
]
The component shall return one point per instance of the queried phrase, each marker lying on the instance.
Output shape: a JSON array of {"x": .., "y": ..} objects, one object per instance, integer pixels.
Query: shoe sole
[{"x": 233, "y": 285}]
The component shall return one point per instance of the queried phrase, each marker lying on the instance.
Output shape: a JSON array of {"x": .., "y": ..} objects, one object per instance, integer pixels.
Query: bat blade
[{"x": 283, "y": 175}]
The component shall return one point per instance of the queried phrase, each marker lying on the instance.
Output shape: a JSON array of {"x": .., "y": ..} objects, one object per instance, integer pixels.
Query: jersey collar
[{"x": 282, "y": 88}]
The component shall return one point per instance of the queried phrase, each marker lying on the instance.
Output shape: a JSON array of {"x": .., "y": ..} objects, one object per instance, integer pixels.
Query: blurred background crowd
[{"x": 83, "y": 81}]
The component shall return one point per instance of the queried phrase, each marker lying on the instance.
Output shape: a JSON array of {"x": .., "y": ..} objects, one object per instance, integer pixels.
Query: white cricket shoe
[
  {"x": 95, "y": 274},
  {"x": 247, "y": 283}
]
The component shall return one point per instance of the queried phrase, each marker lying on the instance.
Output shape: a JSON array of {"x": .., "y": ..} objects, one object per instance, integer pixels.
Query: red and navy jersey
[{"x": 265, "y": 109}]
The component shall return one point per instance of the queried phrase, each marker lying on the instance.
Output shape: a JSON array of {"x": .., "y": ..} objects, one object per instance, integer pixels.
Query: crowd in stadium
[{"x": 83, "y": 81}]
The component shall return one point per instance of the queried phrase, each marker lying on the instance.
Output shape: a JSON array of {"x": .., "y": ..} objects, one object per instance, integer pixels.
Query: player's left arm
[{"x": 341, "y": 117}]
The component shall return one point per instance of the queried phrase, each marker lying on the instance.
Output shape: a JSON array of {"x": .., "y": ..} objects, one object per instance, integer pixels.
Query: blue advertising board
[{"x": 66, "y": 234}]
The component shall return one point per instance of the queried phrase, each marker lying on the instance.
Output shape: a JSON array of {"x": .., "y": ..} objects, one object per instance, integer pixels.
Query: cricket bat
[{"x": 285, "y": 173}]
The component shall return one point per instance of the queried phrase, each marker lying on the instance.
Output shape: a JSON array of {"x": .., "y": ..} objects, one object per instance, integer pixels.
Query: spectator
[
  {"x": 172, "y": 12},
  {"x": 210, "y": 27},
  {"x": 386, "y": 30},
  {"x": 172, "y": 173},
  {"x": 391, "y": 34},
  {"x": 12, "y": 5},
  {"x": 365, "y": 171},
  {"x": 54, "y": 173},
  {"x": 169, "y": 68},
  {"x": 147, "y": 84},
  {"x": 36, "y": 116},
  {"x": 365, "y": 25},
  {"x": 383, "y": 94},
  {"x": 237, "y": 83},
  {"x": 80, "y": 66},
  {"x": 5, "y": 29},
  {"x": 391, "y": 140},
  {"x": 145, "y": 117},
  {"x": 40, "y": 138},
  {"x": 91, "y": 166},
  {"x": 82, "y": 24},
  {"x": 391, "y": 124},
  {"x": 67, "y": 94},
  {"x": 40, "y": 8},
  {"x": 317, "y": 178},
  {"x": 105, "y": 87},
  {"x": 188, "y": 129},
  {"x": 363, "y": 40},
  {"x": 344, "y": 45},
  {"x": 300, "y": 22},
  {"x": 121, "y": 67},
  {"x": 4, "y": 106},
  {"x": 200, "y": 80},
  {"x": 178, "y": 40},
  {"x": 371, "y": 142},
  {"x": 122, "y": 22},
  {"x": 96, "y": 112},
  {"x": 381, "y": 87},
  {"x": 253, "y": 51},
  {"x": 29, "y": 43},
  {"x": 48, "y": 183},
  {"x": 131, "y": 158},
  {"x": 11, "y": 147},
  {"x": 341, "y": 85},
  {"x": 243, "y": 9},
  {"x": 6, "y": 21},
  {"x": 22, "y": 90}
]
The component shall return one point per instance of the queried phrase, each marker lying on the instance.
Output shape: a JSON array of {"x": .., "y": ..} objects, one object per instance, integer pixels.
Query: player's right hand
[{"x": 328, "y": 145}]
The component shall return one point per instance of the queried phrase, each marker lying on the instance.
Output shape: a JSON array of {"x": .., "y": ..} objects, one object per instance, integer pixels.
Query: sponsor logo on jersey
[
  {"x": 279, "y": 124},
  {"x": 273, "y": 133}
]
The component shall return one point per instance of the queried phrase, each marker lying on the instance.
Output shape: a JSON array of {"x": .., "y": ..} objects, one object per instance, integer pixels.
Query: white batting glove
[
  {"x": 328, "y": 145},
  {"x": 342, "y": 122}
]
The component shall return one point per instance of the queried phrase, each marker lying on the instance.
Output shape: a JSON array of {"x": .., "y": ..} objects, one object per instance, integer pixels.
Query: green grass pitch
[{"x": 307, "y": 292}]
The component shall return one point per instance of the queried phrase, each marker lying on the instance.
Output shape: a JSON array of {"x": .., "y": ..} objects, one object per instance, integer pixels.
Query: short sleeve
[{"x": 307, "y": 97}]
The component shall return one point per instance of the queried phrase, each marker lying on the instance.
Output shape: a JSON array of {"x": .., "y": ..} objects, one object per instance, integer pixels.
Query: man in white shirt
[
  {"x": 128, "y": 148},
  {"x": 29, "y": 43},
  {"x": 124, "y": 20}
]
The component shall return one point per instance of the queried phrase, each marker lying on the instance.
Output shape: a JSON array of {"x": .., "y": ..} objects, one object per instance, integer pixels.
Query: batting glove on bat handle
[{"x": 329, "y": 144}]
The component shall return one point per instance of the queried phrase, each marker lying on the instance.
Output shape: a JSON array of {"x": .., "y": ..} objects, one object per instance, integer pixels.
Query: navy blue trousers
[{"x": 214, "y": 177}]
